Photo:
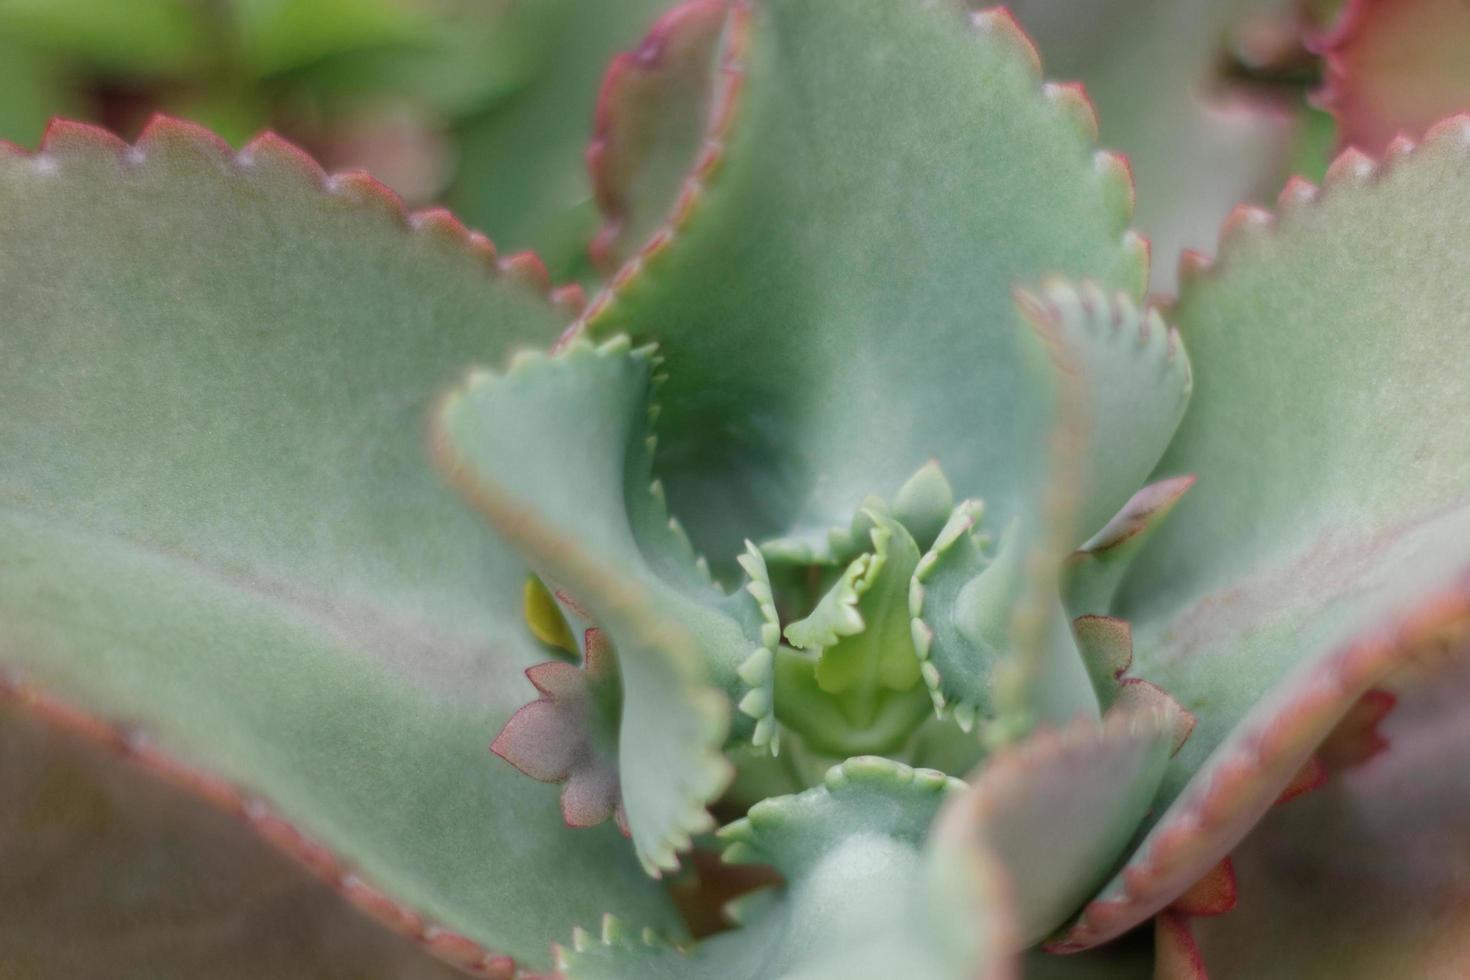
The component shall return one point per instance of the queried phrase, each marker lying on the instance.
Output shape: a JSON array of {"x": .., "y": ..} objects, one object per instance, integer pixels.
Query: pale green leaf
[
  {"x": 219, "y": 524},
  {"x": 1152, "y": 71},
  {"x": 556, "y": 452},
  {"x": 835, "y": 301},
  {"x": 864, "y": 899},
  {"x": 1326, "y": 539}
]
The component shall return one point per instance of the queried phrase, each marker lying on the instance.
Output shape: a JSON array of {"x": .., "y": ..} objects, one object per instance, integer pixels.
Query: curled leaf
[
  {"x": 1325, "y": 542},
  {"x": 217, "y": 526},
  {"x": 775, "y": 299},
  {"x": 1394, "y": 68}
]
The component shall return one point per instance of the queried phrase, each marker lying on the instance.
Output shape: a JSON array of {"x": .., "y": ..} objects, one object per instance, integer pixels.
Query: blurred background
[
  {"x": 486, "y": 105},
  {"x": 481, "y": 104}
]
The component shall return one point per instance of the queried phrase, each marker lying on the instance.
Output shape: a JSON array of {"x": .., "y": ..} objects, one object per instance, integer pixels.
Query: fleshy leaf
[
  {"x": 1368, "y": 876},
  {"x": 950, "y": 663},
  {"x": 1326, "y": 540},
  {"x": 776, "y": 300},
  {"x": 1106, "y": 645},
  {"x": 570, "y": 734},
  {"x": 860, "y": 628},
  {"x": 545, "y": 619},
  {"x": 111, "y": 872},
  {"x": 217, "y": 522},
  {"x": 556, "y": 453},
  {"x": 886, "y": 722},
  {"x": 924, "y": 503},
  {"x": 1058, "y": 808},
  {"x": 1152, "y": 74},
  {"x": 858, "y": 689},
  {"x": 650, "y": 123},
  {"x": 1395, "y": 68},
  {"x": 1112, "y": 383},
  {"x": 881, "y": 655},
  {"x": 757, "y": 672},
  {"x": 863, "y": 898},
  {"x": 1126, "y": 381}
]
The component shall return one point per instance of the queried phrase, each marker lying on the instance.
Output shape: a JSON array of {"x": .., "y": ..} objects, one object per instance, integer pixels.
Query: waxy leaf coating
[{"x": 219, "y": 525}]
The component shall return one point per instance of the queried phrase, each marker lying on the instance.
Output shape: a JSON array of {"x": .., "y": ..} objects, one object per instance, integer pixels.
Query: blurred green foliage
[
  {"x": 425, "y": 94},
  {"x": 486, "y": 105}
]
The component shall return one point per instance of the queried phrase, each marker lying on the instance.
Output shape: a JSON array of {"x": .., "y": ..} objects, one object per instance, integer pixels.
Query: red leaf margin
[{"x": 135, "y": 746}]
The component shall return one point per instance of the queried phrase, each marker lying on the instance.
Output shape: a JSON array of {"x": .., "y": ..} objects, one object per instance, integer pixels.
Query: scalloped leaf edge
[
  {"x": 646, "y": 58},
  {"x": 1265, "y": 761},
  {"x": 758, "y": 671},
  {"x": 1068, "y": 100},
  {"x": 1351, "y": 168},
  {"x": 163, "y": 134},
  {"x": 1260, "y": 764},
  {"x": 704, "y": 696}
]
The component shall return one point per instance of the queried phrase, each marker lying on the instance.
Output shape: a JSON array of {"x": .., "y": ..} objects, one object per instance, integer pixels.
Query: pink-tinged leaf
[
  {"x": 1057, "y": 808},
  {"x": 1106, "y": 646},
  {"x": 569, "y": 734},
  {"x": 1327, "y": 541},
  {"x": 1311, "y": 775},
  {"x": 1176, "y": 954},
  {"x": 1094, "y": 571},
  {"x": 1395, "y": 67},
  {"x": 1214, "y": 894},
  {"x": 649, "y": 124},
  {"x": 219, "y": 530},
  {"x": 1195, "y": 146},
  {"x": 1357, "y": 738},
  {"x": 1137, "y": 694},
  {"x": 537, "y": 739},
  {"x": 1368, "y": 877},
  {"x": 520, "y": 172}
]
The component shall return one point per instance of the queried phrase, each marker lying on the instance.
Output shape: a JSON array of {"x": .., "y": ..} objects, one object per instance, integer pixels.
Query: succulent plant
[{"x": 871, "y": 548}]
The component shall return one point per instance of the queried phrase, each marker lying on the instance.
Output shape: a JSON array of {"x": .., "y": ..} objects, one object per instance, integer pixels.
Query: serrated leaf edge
[
  {"x": 1247, "y": 774},
  {"x": 713, "y": 771},
  {"x": 758, "y": 671},
  {"x": 963, "y": 522},
  {"x": 65, "y": 140},
  {"x": 747, "y": 840},
  {"x": 645, "y": 57},
  {"x": 1350, "y": 169},
  {"x": 997, "y": 25}
]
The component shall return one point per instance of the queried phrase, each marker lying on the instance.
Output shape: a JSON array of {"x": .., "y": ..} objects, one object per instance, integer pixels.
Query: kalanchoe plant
[{"x": 870, "y": 527}]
